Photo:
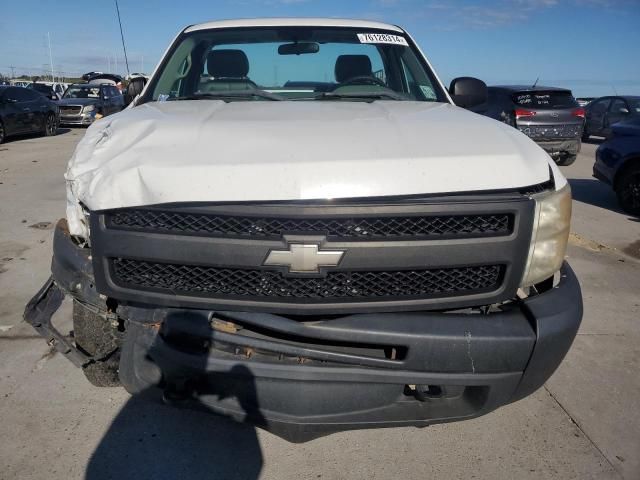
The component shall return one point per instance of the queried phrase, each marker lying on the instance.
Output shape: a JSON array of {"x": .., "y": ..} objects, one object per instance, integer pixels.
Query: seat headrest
[
  {"x": 349, "y": 66},
  {"x": 227, "y": 64}
]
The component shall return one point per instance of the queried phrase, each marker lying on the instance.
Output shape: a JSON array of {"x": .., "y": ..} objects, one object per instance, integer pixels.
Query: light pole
[{"x": 50, "y": 58}]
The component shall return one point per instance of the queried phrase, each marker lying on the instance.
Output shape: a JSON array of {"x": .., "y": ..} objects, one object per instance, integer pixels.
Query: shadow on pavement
[
  {"x": 594, "y": 192},
  {"x": 31, "y": 136},
  {"x": 148, "y": 440},
  {"x": 151, "y": 440},
  {"x": 594, "y": 140}
]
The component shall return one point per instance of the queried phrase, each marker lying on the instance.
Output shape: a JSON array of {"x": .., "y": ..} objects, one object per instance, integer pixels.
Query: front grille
[
  {"x": 269, "y": 284},
  {"x": 439, "y": 226},
  {"x": 70, "y": 110},
  {"x": 543, "y": 132}
]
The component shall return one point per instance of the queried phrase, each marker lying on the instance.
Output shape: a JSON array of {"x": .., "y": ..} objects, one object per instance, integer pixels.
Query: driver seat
[
  {"x": 228, "y": 70},
  {"x": 351, "y": 66}
]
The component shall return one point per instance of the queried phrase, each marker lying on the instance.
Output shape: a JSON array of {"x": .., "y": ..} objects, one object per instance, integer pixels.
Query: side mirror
[
  {"x": 135, "y": 87},
  {"x": 468, "y": 92},
  {"x": 624, "y": 110}
]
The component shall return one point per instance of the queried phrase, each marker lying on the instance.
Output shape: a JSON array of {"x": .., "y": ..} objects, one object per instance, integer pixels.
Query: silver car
[{"x": 550, "y": 116}]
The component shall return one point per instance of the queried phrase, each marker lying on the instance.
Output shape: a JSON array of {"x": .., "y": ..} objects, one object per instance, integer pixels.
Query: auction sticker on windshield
[{"x": 382, "y": 38}]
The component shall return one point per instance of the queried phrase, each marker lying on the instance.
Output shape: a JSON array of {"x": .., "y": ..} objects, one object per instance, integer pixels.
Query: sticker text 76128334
[{"x": 382, "y": 38}]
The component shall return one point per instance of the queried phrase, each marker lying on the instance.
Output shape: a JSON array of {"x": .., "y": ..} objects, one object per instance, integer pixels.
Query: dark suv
[
  {"x": 550, "y": 116},
  {"x": 83, "y": 103}
]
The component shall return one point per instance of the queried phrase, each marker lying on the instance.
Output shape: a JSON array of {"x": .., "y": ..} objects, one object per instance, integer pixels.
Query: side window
[
  {"x": 30, "y": 95},
  {"x": 10, "y": 94},
  {"x": 619, "y": 106},
  {"x": 23, "y": 95},
  {"x": 420, "y": 86},
  {"x": 600, "y": 107}
]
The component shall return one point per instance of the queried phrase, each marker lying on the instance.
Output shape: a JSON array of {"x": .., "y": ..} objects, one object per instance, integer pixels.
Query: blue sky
[{"x": 587, "y": 45}]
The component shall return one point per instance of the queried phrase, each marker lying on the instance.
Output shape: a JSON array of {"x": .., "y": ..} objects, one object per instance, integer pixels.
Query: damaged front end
[
  {"x": 305, "y": 376},
  {"x": 72, "y": 274}
]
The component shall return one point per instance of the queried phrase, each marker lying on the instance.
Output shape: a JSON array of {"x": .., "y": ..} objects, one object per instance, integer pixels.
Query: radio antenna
[
  {"x": 126, "y": 60},
  {"x": 535, "y": 83}
]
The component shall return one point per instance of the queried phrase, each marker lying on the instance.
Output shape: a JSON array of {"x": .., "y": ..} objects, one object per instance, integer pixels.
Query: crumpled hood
[{"x": 209, "y": 150}]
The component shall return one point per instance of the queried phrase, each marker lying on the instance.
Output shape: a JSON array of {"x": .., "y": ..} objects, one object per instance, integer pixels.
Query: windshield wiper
[
  {"x": 230, "y": 94},
  {"x": 362, "y": 95}
]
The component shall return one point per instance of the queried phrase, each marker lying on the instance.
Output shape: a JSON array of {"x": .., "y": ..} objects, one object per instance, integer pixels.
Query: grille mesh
[
  {"x": 358, "y": 227},
  {"x": 233, "y": 282},
  {"x": 70, "y": 110}
]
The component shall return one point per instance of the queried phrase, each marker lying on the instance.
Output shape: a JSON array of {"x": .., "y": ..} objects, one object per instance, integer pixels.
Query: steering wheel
[{"x": 363, "y": 80}]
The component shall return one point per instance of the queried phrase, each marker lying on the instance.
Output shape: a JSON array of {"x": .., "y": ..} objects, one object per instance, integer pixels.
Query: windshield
[
  {"x": 82, "y": 92},
  {"x": 294, "y": 63}
]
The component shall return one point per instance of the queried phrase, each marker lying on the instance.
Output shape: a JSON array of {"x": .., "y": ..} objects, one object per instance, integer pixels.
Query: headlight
[
  {"x": 88, "y": 108},
  {"x": 550, "y": 235}
]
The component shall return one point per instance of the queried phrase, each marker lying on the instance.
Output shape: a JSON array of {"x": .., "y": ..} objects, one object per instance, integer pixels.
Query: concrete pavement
[{"x": 53, "y": 424}]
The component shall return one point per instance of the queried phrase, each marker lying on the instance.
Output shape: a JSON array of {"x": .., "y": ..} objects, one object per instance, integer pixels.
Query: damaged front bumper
[{"x": 301, "y": 379}]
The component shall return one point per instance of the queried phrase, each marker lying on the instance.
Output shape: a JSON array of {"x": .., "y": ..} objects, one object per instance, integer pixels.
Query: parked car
[
  {"x": 105, "y": 78},
  {"x": 136, "y": 75},
  {"x": 26, "y": 111},
  {"x": 53, "y": 91},
  {"x": 618, "y": 163},
  {"x": 603, "y": 113},
  {"x": 312, "y": 259},
  {"x": 584, "y": 101},
  {"x": 82, "y": 103},
  {"x": 20, "y": 83},
  {"x": 89, "y": 75},
  {"x": 550, "y": 116}
]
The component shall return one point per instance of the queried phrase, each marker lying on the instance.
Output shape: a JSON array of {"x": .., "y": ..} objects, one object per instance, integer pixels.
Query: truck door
[
  {"x": 595, "y": 116},
  {"x": 618, "y": 111}
]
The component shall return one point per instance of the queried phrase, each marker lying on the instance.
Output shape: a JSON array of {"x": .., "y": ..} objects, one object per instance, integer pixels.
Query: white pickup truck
[{"x": 294, "y": 225}]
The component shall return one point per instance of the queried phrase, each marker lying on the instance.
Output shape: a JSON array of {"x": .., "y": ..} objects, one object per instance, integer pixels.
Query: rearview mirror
[
  {"x": 468, "y": 92},
  {"x": 298, "y": 48}
]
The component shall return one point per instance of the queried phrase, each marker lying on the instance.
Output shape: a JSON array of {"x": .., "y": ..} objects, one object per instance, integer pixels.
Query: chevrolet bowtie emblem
[{"x": 304, "y": 258}]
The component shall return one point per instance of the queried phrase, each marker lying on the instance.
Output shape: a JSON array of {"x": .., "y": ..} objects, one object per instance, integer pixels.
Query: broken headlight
[{"x": 550, "y": 235}]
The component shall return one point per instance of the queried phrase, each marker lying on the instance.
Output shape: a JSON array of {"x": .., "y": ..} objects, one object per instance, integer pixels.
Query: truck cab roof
[{"x": 293, "y": 22}]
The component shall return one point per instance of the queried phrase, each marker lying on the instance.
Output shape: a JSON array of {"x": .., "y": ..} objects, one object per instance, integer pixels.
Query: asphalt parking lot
[{"x": 585, "y": 423}]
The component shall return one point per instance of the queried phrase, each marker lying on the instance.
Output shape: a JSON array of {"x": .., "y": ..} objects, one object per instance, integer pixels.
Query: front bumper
[
  {"x": 301, "y": 379},
  {"x": 82, "y": 119}
]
